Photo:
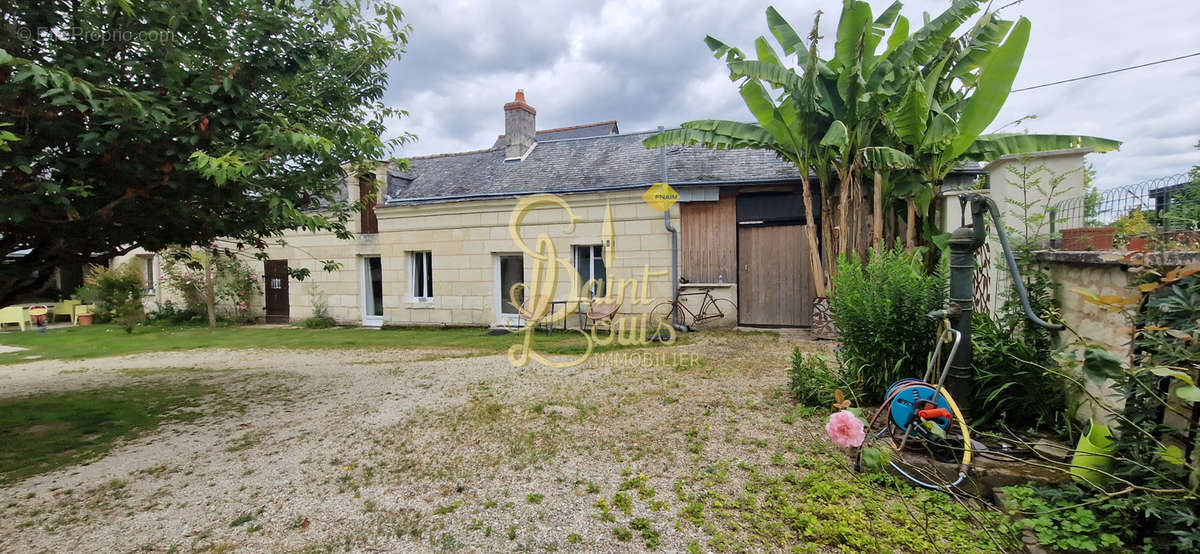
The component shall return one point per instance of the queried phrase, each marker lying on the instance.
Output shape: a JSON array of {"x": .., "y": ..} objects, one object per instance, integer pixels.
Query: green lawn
[
  {"x": 44, "y": 432},
  {"x": 109, "y": 340}
]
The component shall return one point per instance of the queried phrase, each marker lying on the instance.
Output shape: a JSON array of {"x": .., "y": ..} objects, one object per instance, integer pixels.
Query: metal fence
[{"x": 1102, "y": 208}]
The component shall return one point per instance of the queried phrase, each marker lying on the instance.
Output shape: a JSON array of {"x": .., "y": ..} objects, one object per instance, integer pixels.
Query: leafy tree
[
  {"x": 1184, "y": 206},
  {"x": 155, "y": 123},
  {"x": 909, "y": 109}
]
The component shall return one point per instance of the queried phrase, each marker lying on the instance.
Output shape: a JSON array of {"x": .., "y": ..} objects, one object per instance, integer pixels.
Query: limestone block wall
[
  {"x": 1102, "y": 273},
  {"x": 465, "y": 239},
  {"x": 1092, "y": 271}
]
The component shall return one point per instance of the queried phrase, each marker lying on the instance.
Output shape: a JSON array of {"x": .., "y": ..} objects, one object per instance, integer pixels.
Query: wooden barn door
[
  {"x": 275, "y": 276},
  {"x": 774, "y": 286}
]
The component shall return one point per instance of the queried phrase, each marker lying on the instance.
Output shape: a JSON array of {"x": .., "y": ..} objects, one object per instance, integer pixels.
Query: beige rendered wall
[{"x": 464, "y": 239}]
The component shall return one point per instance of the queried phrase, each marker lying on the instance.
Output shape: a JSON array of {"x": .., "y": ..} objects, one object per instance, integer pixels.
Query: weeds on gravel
[
  {"x": 447, "y": 508},
  {"x": 826, "y": 507}
]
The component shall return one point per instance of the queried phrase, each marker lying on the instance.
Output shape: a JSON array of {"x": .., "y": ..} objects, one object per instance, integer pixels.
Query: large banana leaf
[
  {"x": 990, "y": 147},
  {"x": 889, "y": 15},
  {"x": 983, "y": 40},
  {"x": 711, "y": 139},
  {"x": 923, "y": 45},
  {"x": 855, "y": 21},
  {"x": 898, "y": 36},
  {"x": 910, "y": 117},
  {"x": 721, "y": 50},
  {"x": 995, "y": 81},
  {"x": 776, "y": 74},
  {"x": 788, "y": 39},
  {"x": 882, "y": 157},
  {"x": 765, "y": 111},
  {"x": 734, "y": 129}
]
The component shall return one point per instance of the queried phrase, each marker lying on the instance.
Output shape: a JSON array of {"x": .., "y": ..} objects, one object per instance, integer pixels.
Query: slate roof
[
  {"x": 574, "y": 131},
  {"x": 577, "y": 165}
]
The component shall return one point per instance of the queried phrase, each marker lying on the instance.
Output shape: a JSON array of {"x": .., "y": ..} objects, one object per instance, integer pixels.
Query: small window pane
[{"x": 422, "y": 274}]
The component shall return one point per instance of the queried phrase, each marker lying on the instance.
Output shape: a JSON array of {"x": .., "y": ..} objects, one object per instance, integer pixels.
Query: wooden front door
[
  {"x": 774, "y": 285},
  {"x": 275, "y": 287}
]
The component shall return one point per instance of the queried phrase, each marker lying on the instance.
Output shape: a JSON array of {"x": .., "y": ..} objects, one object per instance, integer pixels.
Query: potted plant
[{"x": 1132, "y": 231}]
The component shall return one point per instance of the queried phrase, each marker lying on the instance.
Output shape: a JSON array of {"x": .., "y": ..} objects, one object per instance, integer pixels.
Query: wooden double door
[{"x": 774, "y": 285}]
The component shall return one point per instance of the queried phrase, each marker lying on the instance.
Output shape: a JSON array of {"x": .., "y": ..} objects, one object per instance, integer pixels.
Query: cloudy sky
[{"x": 644, "y": 64}]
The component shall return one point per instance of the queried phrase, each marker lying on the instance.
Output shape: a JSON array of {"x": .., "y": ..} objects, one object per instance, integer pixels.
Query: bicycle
[{"x": 711, "y": 309}]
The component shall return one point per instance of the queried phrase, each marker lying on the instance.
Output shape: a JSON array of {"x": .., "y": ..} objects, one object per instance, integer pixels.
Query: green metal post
[{"x": 964, "y": 241}]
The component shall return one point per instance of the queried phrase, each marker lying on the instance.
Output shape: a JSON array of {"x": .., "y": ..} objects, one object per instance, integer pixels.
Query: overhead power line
[{"x": 1107, "y": 72}]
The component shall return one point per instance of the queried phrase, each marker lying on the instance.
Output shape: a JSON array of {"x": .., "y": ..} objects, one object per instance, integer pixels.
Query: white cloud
[{"x": 644, "y": 64}]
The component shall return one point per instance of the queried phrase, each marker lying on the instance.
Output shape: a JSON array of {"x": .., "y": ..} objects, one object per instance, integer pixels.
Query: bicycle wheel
[
  {"x": 720, "y": 312},
  {"x": 662, "y": 313},
  {"x": 924, "y": 435}
]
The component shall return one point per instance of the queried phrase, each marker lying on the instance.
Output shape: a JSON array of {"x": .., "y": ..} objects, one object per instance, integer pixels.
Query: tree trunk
[
  {"x": 842, "y": 232},
  {"x": 877, "y": 222},
  {"x": 210, "y": 300},
  {"x": 828, "y": 233},
  {"x": 910, "y": 229},
  {"x": 811, "y": 231}
]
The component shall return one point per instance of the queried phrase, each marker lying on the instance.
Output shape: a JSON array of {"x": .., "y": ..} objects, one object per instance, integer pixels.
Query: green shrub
[
  {"x": 1010, "y": 380},
  {"x": 319, "y": 322},
  {"x": 813, "y": 379},
  {"x": 117, "y": 294},
  {"x": 1064, "y": 520},
  {"x": 879, "y": 308},
  {"x": 168, "y": 312}
]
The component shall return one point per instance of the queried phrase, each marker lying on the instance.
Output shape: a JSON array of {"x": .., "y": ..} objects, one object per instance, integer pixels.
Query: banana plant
[
  {"x": 938, "y": 124},
  {"x": 907, "y": 107}
]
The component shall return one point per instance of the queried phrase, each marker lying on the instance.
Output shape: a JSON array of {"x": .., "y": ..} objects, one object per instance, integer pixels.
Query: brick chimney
[{"x": 519, "y": 129}]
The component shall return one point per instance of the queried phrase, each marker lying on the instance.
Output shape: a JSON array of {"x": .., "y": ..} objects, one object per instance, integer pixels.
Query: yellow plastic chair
[
  {"x": 66, "y": 309},
  {"x": 14, "y": 314}
]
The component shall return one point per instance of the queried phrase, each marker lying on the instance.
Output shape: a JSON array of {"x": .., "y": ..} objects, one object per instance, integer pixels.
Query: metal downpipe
[{"x": 662, "y": 166}]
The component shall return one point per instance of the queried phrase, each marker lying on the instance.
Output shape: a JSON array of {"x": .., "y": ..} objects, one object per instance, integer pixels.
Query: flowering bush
[
  {"x": 117, "y": 294},
  {"x": 234, "y": 285}
]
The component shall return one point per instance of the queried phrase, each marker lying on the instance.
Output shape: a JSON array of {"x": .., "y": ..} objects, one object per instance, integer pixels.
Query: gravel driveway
[{"x": 407, "y": 450}]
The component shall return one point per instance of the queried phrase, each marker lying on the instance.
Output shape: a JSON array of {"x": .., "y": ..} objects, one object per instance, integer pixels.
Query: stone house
[{"x": 436, "y": 247}]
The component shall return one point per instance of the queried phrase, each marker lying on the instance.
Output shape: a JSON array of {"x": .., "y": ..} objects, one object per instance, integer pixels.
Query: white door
[
  {"x": 372, "y": 291},
  {"x": 510, "y": 271}
]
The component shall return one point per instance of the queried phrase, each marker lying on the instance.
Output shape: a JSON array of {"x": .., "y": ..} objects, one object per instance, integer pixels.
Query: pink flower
[{"x": 846, "y": 429}]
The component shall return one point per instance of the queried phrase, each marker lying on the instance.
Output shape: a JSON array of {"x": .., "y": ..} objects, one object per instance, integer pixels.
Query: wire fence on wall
[{"x": 1103, "y": 208}]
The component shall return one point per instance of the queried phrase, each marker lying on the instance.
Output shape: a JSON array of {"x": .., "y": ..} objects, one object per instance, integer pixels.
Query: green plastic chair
[
  {"x": 66, "y": 309},
  {"x": 15, "y": 314}
]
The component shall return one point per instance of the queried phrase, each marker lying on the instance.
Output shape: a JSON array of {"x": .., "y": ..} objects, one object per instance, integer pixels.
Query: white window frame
[
  {"x": 507, "y": 320},
  {"x": 420, "y": 272},
  {"x": 149, "y": 269},
  {"x": 593, "y": 258},
  {"x": 369, "y": 319}
]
